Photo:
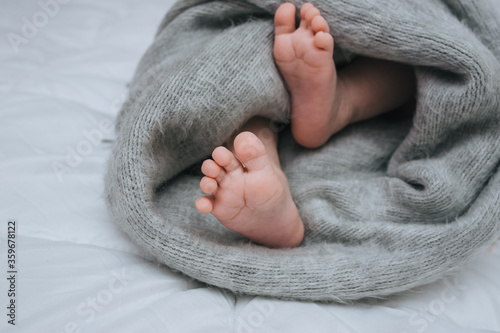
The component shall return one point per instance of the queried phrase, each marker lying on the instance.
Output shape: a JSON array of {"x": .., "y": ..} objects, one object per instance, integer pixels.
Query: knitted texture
[{"x": 387, "y": 204}]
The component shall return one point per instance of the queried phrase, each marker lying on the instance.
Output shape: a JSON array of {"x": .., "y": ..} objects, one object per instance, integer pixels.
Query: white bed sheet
[{"x": 60, "y": 89}]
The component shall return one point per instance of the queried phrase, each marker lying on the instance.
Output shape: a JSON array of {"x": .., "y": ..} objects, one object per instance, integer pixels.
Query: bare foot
[
  {"x": 305, "y": 59},
  {"x": 253, "y": 200}
]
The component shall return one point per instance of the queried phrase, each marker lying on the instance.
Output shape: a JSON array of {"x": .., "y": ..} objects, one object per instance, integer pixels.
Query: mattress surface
[{"x": 64, "y": 66}]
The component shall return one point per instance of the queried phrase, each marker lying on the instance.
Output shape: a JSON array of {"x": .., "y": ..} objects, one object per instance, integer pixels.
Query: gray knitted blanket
[{"x": 388, "y": 204}]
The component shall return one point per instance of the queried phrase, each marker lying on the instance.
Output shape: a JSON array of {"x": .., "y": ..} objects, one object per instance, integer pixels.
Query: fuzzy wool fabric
[{"x": 387, "y": 204}]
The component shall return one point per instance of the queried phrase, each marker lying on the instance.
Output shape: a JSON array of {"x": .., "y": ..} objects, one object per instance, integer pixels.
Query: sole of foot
[
  {"x": 304, "y": 56},
  {"x": 250, "y": 195}
]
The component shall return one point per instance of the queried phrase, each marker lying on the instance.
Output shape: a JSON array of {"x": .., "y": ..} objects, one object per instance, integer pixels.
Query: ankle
[{"x": 343, "y": 111}]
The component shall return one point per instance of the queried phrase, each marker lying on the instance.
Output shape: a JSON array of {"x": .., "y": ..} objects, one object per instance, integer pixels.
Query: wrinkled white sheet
[{"x": 64, "y": 66}]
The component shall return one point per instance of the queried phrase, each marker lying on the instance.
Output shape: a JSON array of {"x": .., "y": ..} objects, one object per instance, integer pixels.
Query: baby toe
[
  {"x": 305, "y": 8},
  {"x": 211, "y": 169},
  {"x": 319, "y": 23},
  {"x": 205, "y": 204},
  {"x": 310, "y": 14},
  {"x": 226, "y": 159},
  {"x": 324, "y": 41},
  {"x": 208, "y": 185}
]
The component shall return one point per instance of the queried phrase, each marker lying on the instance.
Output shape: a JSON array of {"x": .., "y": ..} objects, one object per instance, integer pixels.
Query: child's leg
[
  {"x": 373, "y": 86},
  {"x": 249, "y": 192},
  {"x": 322, "y": 101}
]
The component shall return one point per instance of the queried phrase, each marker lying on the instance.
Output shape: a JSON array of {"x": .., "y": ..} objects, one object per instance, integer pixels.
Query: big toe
[
  {"x": 251, "y": 151},
  {"x": 284, "y": 19}
]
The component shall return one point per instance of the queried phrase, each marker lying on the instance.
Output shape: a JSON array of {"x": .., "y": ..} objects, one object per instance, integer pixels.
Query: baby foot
[
  {"x": 305, "y": 59},
  {"x": 250, "y": 195}
]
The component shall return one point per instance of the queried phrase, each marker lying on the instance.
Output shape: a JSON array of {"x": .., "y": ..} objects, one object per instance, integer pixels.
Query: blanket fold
[{"x": 388, "y": 204}]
